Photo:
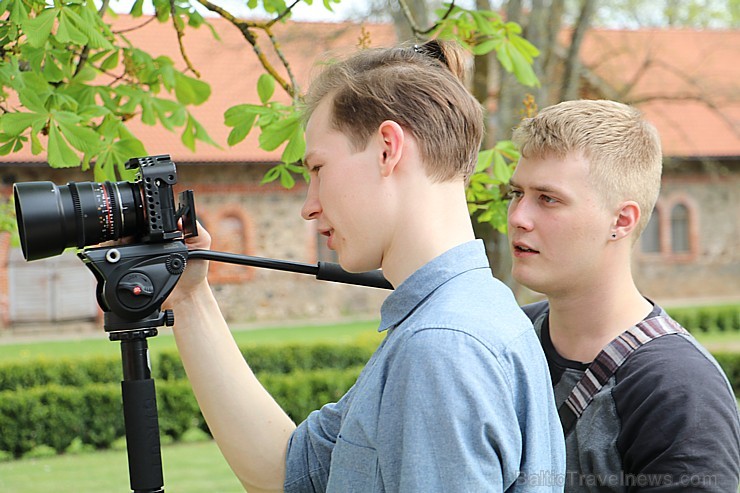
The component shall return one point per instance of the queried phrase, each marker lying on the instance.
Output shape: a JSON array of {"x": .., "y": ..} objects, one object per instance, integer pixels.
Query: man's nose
[
  {"x": 311, "y": 206},
  {"x": 518, "y": 215}
]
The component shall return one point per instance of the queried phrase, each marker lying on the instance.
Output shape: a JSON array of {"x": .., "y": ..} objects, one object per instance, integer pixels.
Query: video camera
[{"x": 52, "y": 218}]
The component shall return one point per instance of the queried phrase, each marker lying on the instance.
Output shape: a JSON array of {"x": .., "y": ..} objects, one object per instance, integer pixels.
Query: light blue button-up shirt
[{"x": 457, "y": 398}]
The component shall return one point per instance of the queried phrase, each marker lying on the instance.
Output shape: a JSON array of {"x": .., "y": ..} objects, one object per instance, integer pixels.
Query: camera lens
[{"x": 51, "y": 218}]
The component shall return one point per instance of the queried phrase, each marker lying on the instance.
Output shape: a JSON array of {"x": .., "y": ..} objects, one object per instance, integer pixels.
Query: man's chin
[{"x": 528, "y": 281}]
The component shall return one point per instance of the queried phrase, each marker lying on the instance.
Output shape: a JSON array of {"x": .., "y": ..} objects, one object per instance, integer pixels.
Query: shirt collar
[{"x": 419, "y": 285}]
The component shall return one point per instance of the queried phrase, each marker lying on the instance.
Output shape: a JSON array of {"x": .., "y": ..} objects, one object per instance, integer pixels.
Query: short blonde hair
[
  {"x": 622, "y": 148},
  {"x": 418, "y": 87}
]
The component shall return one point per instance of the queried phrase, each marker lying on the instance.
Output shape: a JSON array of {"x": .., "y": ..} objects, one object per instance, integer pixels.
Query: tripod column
[{"x": 140, "y": 415}]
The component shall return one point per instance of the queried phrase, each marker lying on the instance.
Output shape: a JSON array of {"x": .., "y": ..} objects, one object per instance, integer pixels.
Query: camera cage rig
[
  {"x": 134, "y": 280},
  {"x": 158, "y": 175}
]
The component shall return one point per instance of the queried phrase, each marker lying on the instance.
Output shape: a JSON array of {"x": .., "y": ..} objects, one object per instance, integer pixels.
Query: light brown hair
[
  {"x": 622, "y": 148},
  {"x": 418, "y": 87}
]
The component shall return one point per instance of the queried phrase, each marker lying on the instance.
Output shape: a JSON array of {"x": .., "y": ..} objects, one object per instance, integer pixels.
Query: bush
[
  {"x": 47, "y": 416},
  {"x": 708, "y": 318},
  {"x": 75, "y": 409},
  {"x": 92, "y": 415},
  {"x": 287, "y": 358},
  {"x": 299, "y": 393},
  {"x": 730, "y": 363},
  {"x": 67, "y": 372}
]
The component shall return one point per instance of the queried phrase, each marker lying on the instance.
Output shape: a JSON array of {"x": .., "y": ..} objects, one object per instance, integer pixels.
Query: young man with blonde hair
[
  {"x": 457, "y": 397},
  {"x": 643, "y": 406}
]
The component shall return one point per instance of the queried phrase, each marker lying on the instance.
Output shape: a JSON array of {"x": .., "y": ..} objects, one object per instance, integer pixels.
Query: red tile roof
[
  {"x": 663, "y": 69},
  {"x": 667, "y": 73}
]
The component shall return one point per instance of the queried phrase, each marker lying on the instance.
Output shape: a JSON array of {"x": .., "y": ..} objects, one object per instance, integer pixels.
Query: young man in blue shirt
[{"x": 457, "y": 397}]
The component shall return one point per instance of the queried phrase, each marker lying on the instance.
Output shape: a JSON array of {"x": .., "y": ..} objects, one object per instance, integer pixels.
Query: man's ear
[
  {"x": 392, "y": 139},
  {"x": 628, "y": 215}
]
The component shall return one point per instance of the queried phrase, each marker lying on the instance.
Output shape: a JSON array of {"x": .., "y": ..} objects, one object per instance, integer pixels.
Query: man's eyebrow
[{"x": 539, "y": 188}]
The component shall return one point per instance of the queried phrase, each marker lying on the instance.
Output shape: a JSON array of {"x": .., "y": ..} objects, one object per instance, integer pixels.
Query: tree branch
[
  {"x": 245, "y": 28},
  {"x": 282, "y": 14},
  {"x": 410, "y": 18},
  {"x": 180, "y": 36},
  {"x": 570, "y": 77}
]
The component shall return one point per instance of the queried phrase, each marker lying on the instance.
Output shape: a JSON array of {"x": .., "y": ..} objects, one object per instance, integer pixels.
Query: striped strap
[{"x": 608, "y": 361}]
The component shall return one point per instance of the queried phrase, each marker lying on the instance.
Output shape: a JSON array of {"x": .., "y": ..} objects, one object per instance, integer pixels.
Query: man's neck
[
  {"x": 580, "y": 326},
  {"x": 436, "y": 220}
]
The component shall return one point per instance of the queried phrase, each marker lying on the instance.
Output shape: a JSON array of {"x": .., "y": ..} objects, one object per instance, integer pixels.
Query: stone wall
[{"x": 711, "y": 269}]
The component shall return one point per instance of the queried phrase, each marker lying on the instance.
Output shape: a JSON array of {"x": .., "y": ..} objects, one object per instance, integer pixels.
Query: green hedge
[
  {"x": 66, "y": 372},
  {"x": 55, "y": 415},
  {"x": 708, "y": 318},
  {"x": 51, "y": 404},
  {"x": 287, "y": 358},
  {"x": 730, "y": 363}
]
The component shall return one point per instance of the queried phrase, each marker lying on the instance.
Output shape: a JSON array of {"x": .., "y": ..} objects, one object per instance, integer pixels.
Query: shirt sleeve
[
  {"x": 456, "y": 428},
  {"x": 310, "y": 448},
  {"x": 680, "y": 426}
]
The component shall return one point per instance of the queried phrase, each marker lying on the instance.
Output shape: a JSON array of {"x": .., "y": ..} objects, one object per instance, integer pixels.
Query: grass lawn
[{"x": 188, "y": 468}]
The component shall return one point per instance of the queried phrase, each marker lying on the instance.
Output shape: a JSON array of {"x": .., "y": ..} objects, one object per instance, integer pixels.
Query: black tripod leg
[{"x": 140, "y": 418}]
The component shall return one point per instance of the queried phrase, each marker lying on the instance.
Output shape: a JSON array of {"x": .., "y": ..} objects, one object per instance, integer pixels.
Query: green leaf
[
  {"x": 271, "y": 175},
  {"x": 112, "y": 157},
  {"x": 36, "y": 147},
  {"x": 51, "y": 70},
  {"x": 111, "y": 61},
  {"x": 486, "y": 46},
  {"x": 278, "y": 132},
  {"x": 60, "y": 155},
  {"x": 137, "y": 9},
  {"x": 67, "y": 32},
  {"x": 16, "y": 123},
  {"x": 501, "y": 170},
  {"x": 485, "y": 158},
  {"x": 80, "y": 137},
  {"x": 191, "y": 91},
  {"x": 296, "y": 148},
  {"x": 286, "y": 179},
  {"x": 508, "y": 149},
  {"x": 242, "y": 119},
  {"x": 188, "y": 135},
  {"x": 38, "y": 29},
  {"x": 265, "y": 87},
  {"x": 201, "y": 134},
  {"x": 18, "y": 13},
  {"x": 522, "y": 68},
  {"x": 240, "y": 132}
]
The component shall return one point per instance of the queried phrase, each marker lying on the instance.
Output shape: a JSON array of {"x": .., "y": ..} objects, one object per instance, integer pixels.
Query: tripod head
[{"x": 134, "y": 281}]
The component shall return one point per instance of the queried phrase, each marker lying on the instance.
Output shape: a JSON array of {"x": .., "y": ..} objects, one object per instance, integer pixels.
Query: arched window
[
  {"x": 230, "y": 233},
  {"x": 680, "y": 235},
  {"x": 672, "y": 231},
  {"x": 650, "y": 239}
]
